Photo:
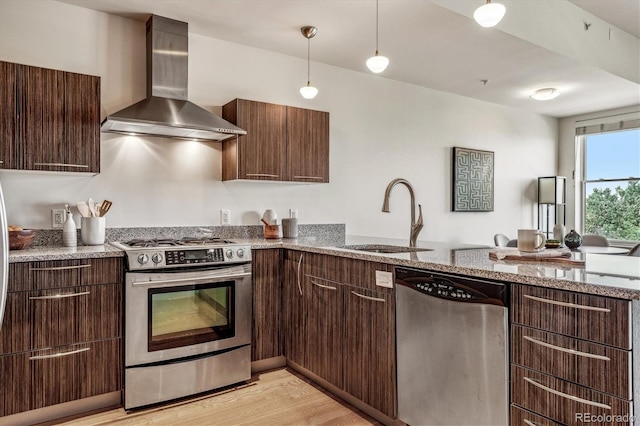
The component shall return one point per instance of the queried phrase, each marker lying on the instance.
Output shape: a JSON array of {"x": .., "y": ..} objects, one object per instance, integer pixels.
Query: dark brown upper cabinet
[
  {"x": 50, "y": 119},
  {"x": 282, "y": 143}
]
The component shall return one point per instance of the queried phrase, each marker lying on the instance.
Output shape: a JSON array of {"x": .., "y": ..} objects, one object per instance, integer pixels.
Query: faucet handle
[{"x": 419, "y": 221}]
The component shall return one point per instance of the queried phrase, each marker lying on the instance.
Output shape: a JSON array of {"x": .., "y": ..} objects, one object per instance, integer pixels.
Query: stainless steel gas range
[{"x": 187, "y": 317}]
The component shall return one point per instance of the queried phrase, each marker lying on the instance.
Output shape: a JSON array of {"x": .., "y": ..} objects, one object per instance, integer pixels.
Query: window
[{"x": 611, "y": 180}]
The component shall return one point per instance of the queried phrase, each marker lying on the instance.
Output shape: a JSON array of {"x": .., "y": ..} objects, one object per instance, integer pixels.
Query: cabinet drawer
[
  {"x": 79, "y": 314},
  {"x": 564, "y": 402},
  {"x": 595, "y": 318},
  {"x": 359, "y": 273},
  {"x": 64, "y": 273},
  {"x": 588, "y": 364},
  {"x": 520, "y": 417},
  {"x": 73, "y": 372}
]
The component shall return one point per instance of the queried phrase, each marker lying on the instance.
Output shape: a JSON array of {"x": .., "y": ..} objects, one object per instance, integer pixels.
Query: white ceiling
[{"x": 437, "y": 44}]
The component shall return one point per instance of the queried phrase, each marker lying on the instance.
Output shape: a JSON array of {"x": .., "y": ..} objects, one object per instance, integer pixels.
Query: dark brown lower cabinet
[
  {"x": 61, "y": 337},
  {"x": 520, "y": 417},
  {"x": 267, "y": 333},
  {"x": 343, "y": 333}
]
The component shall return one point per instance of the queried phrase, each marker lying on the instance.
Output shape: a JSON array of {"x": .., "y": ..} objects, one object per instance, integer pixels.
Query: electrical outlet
[
  {"x": 57, "y": 218},
  {"x": 225, "y": 217}
]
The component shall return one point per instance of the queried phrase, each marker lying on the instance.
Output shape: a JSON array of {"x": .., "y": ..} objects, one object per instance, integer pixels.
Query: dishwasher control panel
[{"x": 444, "y": 290}]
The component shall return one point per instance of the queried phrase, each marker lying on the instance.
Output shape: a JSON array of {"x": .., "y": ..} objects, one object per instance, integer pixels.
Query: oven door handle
[{"x": 207, "y": 278}]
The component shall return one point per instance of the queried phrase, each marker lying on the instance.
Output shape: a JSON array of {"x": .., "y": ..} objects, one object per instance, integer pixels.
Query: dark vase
[{"x": 573, "y": 240}]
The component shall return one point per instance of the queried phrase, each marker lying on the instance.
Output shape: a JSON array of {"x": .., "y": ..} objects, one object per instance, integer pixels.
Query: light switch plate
[
  {"x": 225, "y": 217},
  {"x": 384, "y": 279}
]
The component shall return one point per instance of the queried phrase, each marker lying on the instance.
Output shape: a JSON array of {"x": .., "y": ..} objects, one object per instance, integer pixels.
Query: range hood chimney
[{"x": 166, "y": 111}]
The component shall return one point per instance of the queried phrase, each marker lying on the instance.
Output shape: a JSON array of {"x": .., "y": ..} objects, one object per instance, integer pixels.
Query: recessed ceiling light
[{"x": 545, "y": 94}]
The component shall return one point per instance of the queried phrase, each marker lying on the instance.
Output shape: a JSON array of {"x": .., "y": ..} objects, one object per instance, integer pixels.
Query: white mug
[{"x": 531, "y": 240}]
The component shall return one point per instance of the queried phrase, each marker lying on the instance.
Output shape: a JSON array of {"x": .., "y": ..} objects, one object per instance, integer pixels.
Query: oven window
[{"x": 186, "y": 315}]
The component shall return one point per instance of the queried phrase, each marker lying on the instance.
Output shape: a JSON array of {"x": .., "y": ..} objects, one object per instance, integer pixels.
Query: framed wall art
[{"x": 472, "y": 183}]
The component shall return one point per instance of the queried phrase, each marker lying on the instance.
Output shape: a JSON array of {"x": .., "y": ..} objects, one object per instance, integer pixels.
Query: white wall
[
  {"x": 380, "y": 129},
  {"x": 567, "y": 155}
]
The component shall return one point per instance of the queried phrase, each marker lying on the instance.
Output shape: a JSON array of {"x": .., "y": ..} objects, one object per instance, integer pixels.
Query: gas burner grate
[
  {"x": 152, "y": 242},
  {"x": 200, "y": 240}
]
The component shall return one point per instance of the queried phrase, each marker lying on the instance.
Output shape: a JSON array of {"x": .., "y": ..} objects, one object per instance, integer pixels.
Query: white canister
[
  {"x": 92, "y": 230},
  {"x": 69, "y": 231},
  {"x": 559, "y": 231}
]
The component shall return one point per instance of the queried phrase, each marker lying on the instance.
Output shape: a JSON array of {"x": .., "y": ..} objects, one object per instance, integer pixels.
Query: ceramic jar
[{"x": 573, "y": 240}]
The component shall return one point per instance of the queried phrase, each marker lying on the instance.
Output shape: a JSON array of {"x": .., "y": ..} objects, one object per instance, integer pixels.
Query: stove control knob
[
  {"x": 240, "y": 253},
  {"x": 143, "y": 258},
  {"x": 157, "y": 258},
  {"x": 229, "y": 253}
]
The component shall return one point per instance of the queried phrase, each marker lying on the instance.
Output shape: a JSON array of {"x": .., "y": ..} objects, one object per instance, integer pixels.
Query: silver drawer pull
[
  {"x": 568, "y": 305},
  {"x": 566, "y": 395},
  {"x": 569, "y": 351},
  {"x": 308, "y": 177},
  {"x": 75, "y": 166},
  {"x": 61, "y": 268},
  {"x": 529, "y": 423},
  {"x": 324, "y": 286},
  {"x": 262, "y": 175},
  {"x": 375, "y": 299},
  {"x": 60, "y": 296},
  {"x": 1, "y": 162},
  {"x": 58, "y": 355}
]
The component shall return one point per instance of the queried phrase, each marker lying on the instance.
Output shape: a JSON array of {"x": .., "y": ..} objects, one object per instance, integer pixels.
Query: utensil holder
[
  {"x": 272, "y": 231},
  {"x": 92, "y": 230},
  {"x": 290, "y": 228}
]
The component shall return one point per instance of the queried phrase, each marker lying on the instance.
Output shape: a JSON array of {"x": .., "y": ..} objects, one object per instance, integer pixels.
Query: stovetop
[
  {"x": 172, "y": 242},
  {"x": 188, "y": 252}
]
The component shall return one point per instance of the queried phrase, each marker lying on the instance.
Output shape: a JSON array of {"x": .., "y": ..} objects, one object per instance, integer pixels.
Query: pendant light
[
  {"x": 489, "y": 14},
  {"x": 377, "y": 63},
  {"x": 308, "y": 91}
]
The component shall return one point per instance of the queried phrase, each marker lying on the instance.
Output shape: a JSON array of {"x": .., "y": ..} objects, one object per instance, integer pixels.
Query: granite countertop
[{"x": 607, "y": 275}]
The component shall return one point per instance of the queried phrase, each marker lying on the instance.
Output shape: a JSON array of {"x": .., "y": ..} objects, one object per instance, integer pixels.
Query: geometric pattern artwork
[{"x": 472, "y": 183}]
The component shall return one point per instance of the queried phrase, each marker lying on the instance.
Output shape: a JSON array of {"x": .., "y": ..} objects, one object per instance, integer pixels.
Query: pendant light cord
[
  {"x": 377, "y": 19},
  {"x": 308, "y": 61}
]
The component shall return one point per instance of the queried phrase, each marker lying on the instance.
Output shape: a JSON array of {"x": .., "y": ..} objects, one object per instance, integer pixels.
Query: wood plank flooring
[{"x": 277, "y": 397}]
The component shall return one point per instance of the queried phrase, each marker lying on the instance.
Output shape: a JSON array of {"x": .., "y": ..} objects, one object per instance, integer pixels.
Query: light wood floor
[{"x": 273, "y": 398}]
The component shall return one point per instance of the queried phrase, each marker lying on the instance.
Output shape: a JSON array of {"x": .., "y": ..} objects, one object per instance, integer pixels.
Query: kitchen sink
[{"x": 384, "y": 248}]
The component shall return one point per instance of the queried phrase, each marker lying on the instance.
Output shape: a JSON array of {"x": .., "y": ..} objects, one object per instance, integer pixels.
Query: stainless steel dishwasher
[{"x": 452, "y": 349}]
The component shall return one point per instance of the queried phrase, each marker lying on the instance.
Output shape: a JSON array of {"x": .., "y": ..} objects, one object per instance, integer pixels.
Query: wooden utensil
[
  {"x": 104, "y": 207},
  {"x": 83, "y": 208},
  {"x": 92, "y": 207}
]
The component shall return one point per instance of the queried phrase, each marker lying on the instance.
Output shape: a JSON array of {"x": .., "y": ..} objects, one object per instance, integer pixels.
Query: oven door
[{"x": 172, "y": 315}]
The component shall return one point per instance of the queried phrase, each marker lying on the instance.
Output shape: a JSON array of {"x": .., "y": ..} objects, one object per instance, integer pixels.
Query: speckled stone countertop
[{"x": 607, "y": 275}]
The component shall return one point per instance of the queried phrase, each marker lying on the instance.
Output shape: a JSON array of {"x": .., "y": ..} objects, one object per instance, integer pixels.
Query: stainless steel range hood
[{"x": 166, "y": 111}]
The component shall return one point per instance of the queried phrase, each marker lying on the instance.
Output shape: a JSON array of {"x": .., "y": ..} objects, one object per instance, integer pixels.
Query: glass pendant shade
[
  {"x": 308, "y": 91},
  {"x": 489, "y": 14},
  {"x": 377, "y": 63}
]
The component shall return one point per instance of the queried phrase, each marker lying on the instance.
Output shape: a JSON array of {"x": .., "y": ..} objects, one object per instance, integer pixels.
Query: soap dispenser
[{"x": 69, "y": 230}]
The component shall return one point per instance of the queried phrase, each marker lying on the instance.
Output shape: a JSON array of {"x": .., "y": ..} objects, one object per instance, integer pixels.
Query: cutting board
[{"x": 558, "y": 256}]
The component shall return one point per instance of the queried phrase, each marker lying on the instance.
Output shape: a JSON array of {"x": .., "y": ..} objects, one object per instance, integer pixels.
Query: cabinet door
[
  {"x": 9, "y": 115},
  {"x": 81, "y": 145},
  {"x": 322, "y": 305},
  {"x": 295, "y": 337},
  {"x": 59, "y": 120},
  {"x": 369, "y": 341},
  {"x": 261, "y": 153},
  {"x": 15, "y": 334},
  {"x": 41, "y": 122},
  {"x": 308, "y": 145},
  {"x": 267, "y": 340}
]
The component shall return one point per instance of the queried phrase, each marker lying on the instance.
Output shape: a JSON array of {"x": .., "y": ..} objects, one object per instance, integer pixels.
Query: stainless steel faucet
[{"x": 416, "y": 227}]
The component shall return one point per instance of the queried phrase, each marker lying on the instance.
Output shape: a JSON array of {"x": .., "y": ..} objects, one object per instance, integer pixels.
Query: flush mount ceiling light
[
  {"x": 545, "y": 94},
  {"x": 489, "y": 14},
  {"x": 377, "y": 63},
  {"x": 308, "y": 91}
]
